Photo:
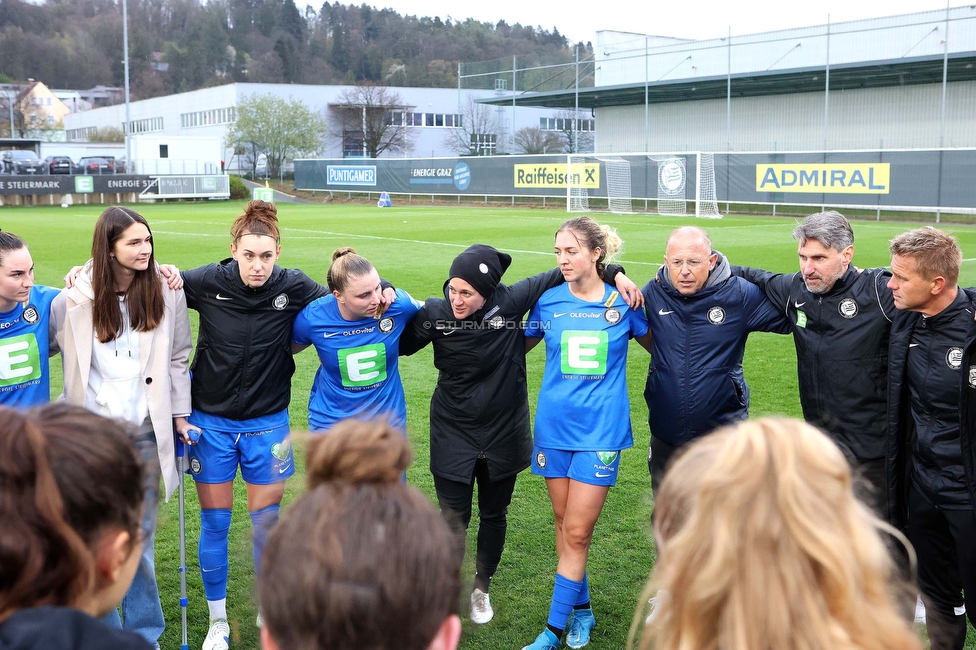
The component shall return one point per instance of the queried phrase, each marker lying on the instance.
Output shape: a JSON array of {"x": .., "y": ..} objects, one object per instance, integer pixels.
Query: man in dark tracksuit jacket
[
  {"x": 931, "y": 475},
  {"x": 841, "y": 319},
  {"x": 695, "y": 381}
]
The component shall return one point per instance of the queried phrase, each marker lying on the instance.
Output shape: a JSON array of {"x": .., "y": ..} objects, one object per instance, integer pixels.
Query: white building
[
  {"x": 430, "y": 113},
  {"x": 904, "y": 81}
]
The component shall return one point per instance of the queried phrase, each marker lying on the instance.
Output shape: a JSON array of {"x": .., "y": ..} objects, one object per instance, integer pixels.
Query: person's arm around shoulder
[
  {"x": 419, "y": 332},
  {"x": 886, "y": 300},
  {"x": 55, "y": 324},
  {"x": 640, "y": 329},
  {"x": 179, "y": 367},
  {"x": 761, "y": 314},
  {"x": 301, "y": 329},
  {"x": 776, "y": 286},
  {"x": 535, "y": 330}
]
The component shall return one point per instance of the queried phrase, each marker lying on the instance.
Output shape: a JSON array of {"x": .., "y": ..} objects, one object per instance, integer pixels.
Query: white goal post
[{"x": 646, "y": 182}]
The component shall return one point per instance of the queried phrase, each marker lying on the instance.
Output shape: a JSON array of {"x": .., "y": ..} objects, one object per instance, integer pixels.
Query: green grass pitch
[{"x": 413, "y": 246}]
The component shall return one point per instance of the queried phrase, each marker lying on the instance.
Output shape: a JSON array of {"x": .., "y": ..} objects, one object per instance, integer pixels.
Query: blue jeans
[{"x": 141, "y": 610}]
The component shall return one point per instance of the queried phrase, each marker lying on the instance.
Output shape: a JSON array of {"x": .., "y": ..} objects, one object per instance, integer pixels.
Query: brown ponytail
[
  {"x": 346, "y": 265},
  {"x": 259, "y": 218}
]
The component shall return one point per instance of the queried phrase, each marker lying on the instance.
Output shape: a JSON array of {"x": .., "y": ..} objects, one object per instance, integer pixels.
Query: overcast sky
[{"x": 694, "y": 19}]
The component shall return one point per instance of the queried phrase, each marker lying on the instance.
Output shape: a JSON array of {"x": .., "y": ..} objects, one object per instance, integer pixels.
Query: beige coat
[{"x": 163, "y": 354}]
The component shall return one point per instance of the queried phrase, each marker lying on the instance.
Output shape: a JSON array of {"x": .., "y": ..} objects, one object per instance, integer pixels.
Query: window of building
[
  {"x": 210, "y": 117},
  {"x": 483, "y": 144},
  {"x": 566, "y": 124},
  {"x": 148, "y": 125},
  {"x": 82, "y": 134},
  {"x": 501, "y": 84},
  {"x": 352, "y": 144}
]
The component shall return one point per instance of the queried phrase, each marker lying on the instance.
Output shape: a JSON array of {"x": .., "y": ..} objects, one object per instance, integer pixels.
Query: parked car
[
  {"x": 120, "y": 166},
  {"x": 20, "y": 161},
  {"x": 95, "y": 165},
  {"x": 58, "y": 165}
]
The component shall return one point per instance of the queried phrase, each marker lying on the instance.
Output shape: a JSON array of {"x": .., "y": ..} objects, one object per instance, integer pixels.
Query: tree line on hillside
[{"x": 181, "y": 45}]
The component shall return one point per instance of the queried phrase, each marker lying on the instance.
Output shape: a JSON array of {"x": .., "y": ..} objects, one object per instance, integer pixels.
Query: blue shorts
[
  {"x": 264, "y": 454},
  {"x": 591, "y": 467}
]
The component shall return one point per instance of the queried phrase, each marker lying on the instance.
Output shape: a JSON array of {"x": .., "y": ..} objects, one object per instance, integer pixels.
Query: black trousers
[
  {"x": 658, "y": 456},
  {"x": 945, "y": 542},
  {"x": 869, "y": 485},
  {"x": 455, "y": 500}
]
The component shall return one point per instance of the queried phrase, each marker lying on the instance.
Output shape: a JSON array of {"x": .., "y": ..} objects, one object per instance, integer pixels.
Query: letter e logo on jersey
[
  {"x": 847, "y": 308},
  {"x": 954, "y": 358},
  {"x": 20, "y": 360},
  {"x": 363, "y": 366},
  {"x": 584, "y": 352}
]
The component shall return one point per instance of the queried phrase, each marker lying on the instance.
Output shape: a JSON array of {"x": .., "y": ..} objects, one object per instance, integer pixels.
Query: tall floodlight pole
[
  {"x": 575, "y": 148},
  {"x": 945, "y": 77},
  {"x": 125, "y": 51}
]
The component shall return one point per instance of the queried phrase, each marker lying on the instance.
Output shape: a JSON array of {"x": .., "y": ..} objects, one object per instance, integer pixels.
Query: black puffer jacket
[
  {"x": 899, "y": 452},
  {"x": 242, "y": 367},
  {"x": 841, "y": 342}
]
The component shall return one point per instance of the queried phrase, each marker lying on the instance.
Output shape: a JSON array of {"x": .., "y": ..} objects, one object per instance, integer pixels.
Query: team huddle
[{"x": 886, "y": 363}]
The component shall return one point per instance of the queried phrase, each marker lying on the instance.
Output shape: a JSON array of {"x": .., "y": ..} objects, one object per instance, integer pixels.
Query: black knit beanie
[{"x": 482, "y": 267}]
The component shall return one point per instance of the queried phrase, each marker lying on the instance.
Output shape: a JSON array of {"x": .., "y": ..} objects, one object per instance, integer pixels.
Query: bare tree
[
  {"x": 578, "y": 137},
  {"x": 370, "y": 119},
  {"x": 532, "y": 139},
  {"x": 478, "y": 133}
]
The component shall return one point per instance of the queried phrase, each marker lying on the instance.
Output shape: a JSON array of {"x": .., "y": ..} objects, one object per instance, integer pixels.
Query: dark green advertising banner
[{"x": 927, "y": 179}]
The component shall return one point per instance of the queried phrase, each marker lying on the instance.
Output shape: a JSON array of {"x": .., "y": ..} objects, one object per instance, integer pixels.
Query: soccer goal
[{"x": 661, "y": 183}]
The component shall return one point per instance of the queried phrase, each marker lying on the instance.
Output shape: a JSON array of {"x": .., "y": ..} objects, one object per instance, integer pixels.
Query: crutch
[{"x": 180, "y": 452}]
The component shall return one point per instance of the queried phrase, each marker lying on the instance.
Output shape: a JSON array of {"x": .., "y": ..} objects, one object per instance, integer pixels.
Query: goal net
[{"x": 661, "y": 183}]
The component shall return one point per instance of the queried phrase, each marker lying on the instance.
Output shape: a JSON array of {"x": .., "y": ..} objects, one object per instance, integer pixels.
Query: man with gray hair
[
  {"x": 841, "y": 319},
  {"x": 701, "y": 317},
  {"x": 932, "y": 416}
]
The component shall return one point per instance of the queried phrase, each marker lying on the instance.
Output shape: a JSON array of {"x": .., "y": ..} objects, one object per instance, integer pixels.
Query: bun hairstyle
[
  {"x": 346, "y": 265},
  {"x": 144, "y": 298},
  {"x": 361, "y": 560},
  {"x": 762, "y": 544},
  {"x": 9, "y": 242},
  {"x": 592, "y": 236},
  {"x": 259, "y": 218},
  {"x": 67, "y": 475}
]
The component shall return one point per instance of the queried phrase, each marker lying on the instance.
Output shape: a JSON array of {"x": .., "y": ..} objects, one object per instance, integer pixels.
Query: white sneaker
[
  {"x": 218, "y": 638},
  {"x": 481, "y": 611}
]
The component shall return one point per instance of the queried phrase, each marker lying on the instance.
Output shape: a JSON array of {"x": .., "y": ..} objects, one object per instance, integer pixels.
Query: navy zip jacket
[{"x": 695, "y": 381}]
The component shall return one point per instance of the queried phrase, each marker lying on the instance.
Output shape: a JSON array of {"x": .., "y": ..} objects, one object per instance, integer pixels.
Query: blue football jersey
[
  {"x": 25, "y": 379},
  {"x": 359, "y": 374},
  {"x": 583, "y": 403}
]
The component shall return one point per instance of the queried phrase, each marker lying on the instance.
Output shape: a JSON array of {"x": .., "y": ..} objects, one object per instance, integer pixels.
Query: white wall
[{"x": 893, "y": 117}]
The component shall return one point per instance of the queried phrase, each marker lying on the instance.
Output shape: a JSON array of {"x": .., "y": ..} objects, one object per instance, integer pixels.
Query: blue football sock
[
  {"x": 564, "y": 595},
  {"x": 212, "y": 551},
  {"x": 583, "y": 600},
  {"x": 263, "y": 521}
]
